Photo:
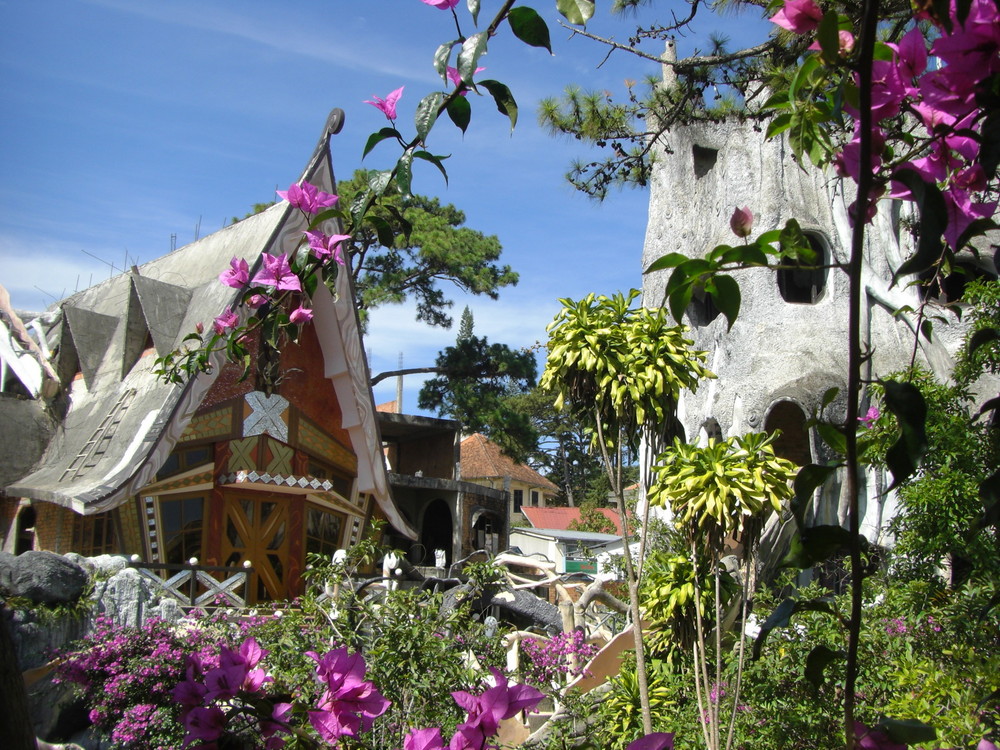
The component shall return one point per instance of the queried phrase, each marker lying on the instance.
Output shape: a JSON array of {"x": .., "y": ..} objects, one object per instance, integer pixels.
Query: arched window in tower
[
  {"x": 803, "y": 283},
  {"x": 793, "y": 442}
]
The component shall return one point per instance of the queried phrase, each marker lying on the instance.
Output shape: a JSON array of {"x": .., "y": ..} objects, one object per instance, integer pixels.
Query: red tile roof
[
  {"x": 560, "y": 518},
  {"x": 482, "y": 459}
]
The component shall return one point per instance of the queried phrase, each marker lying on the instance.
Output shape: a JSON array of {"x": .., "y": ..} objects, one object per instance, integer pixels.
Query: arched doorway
[
  {"x": 437, "y": 530},
  {"x": 793, "y": 442}
]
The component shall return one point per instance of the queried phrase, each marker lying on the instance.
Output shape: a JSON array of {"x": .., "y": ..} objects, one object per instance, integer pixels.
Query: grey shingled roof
[{"x": 123, "y": 419}]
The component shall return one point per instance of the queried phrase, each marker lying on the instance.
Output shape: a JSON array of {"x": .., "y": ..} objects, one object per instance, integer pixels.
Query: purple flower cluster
[
  {"x": 945, "y": 98},
  {"x": 233, "y": 680},
  {"x": 126, "y": 676},
  {"x": 349, "y": 703},
  {"x": 549, "y": 661}
]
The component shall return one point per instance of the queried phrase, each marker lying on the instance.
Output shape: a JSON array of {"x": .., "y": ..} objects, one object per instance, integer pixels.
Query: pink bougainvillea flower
[
  {"x": 985, "y": 744},
  {"x": 962, "y": 212},
  {"x": 300, "y": 315},
  {"x": 798, "y": 16},
  {"x": 277, "y": 273},
  {"x": 741, "y": 222},
  {"x": 308, "y": 198},
  {"x": 237, "y": 275},
  {"x": 502, "y": 701},
  {"x": 256, "y": 300},
  {"x": 911, "y": 57},
  {"x": 654, "y": 741},
  {"x": 204, "y": 724},
  {"x": 350, "y": 703},
  {"x": 456, "y": 79},
  {"x": 388, "y": 105},
  {"x": 225, "y": 322},
  {"x": 873, "y": 739},
  {"x": 423, "y": 739},
  {"x": 324, "y": 246},
  {"x": 870, "y": 416},
  {"x": 442, "y": 4}
]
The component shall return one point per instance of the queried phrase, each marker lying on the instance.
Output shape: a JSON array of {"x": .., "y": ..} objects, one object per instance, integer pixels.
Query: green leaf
[
  {"x": 833, "y": 436},
  {"x": 808, "y": 479},
  {"x": 404, "y": 173},
  {"x": 793, "y": 243},
  {"x": 576, "y": 11},
  {"x": 468, "y": 57},
  {"x": 441, "y": 57},
  {"x": 933, "y": 219},
  {"x": 782, "y": 615},
  {"x": 503, "y": 98},
  {"x": 817, "y": 661},
  {"x": 727, "y": 298},
  {"x": 529, "y": 27},
  {"x": 670, "y": 260},
  {"x": 376, "y": 138},
  {"x": 473, "y": 6},
  {"x": 907, "y": 731},
  {"x": 426, "y": 114},
  {"x": 383, "y": 230},
  {"x": 816, "y": 544},
  {"x": 906, "y": 402},
  {"x": 379, "y": 181},
  {"x": 779, "y": 124},
  {"x": 437, "y": 161},
  {"x": 828, "y": 35},
  {"x": 460, "y": 112},
  {"x": 678, "y": 291},
  {"x": 801, "y": 77},
  {"x": 829, "y": 396}
]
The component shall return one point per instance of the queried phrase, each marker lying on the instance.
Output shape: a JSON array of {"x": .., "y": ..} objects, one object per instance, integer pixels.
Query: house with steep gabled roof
[
  {"x": 484, "y": 463},
  {"x": 257, "y": 467}
]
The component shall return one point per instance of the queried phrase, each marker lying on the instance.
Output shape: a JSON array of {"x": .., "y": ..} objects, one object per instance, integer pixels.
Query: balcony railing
[{"x": 195, "y": 585}]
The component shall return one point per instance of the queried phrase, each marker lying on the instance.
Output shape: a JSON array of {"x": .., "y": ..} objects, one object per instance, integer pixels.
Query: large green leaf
[
  {"x": 907, "y": 731},
  {"x": 809, "y": 478},
  {"x": 441, "y": 57},
  {"x": 473, "y": 6},
  {"x": 906, "y": 402},
  {"x": 817, "y": 661},
  {"x": 576, "y": 11},
  {"x": 727, "y": 297},
  {"x": 468, "y": 57},
  {"x": 376, "y": 138},
  {"x": 794, "y": 244},
  {"x": 460, "y": 112},
  {"x": 782, "y": 615},
  {"x": 437, "y": 161},
  {"x": 816, "y": 544},
  {"x": 670, "y": 260},
  {"x": 503, "y": 98},
  {"x": 427, "y": 113},
  {"x": 529, "y": 27}
]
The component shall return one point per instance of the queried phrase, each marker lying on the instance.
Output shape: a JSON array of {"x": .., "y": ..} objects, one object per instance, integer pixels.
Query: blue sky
[{"x": 129, "y": 121}]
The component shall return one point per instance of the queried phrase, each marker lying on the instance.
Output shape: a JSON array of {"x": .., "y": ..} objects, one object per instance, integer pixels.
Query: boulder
[
  {"x": 47, "y": 578},
  {"x": 7, "y": 565}
]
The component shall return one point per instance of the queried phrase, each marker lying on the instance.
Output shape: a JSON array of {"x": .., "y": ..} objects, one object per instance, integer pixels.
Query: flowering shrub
[
  {"x": 126, "y": 677},
  {"x": 547, "y": 662}
]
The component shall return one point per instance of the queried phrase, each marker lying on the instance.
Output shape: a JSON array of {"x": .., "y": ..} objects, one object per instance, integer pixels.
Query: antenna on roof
[
  {"x": 173, "y": 241},
  {"x": 399, "y": 387},
  {"x": 114, "y": 269},
  {"x": 197, "y": 230}
]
